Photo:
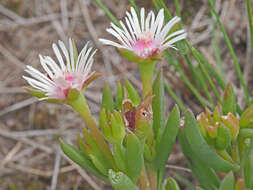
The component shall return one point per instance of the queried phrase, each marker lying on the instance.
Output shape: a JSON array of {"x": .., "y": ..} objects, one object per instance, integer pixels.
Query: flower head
[
  {"x": 59, "y": 79},
  {"x": 145, "y": 37}
]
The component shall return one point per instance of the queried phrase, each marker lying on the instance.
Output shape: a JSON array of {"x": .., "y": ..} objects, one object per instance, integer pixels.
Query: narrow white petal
[
  {"x": 45, "y": 67},
  {"x": 109, "y": 42},
  {"x": 121, "y": 33},
  {"x": 59, "y": 56},
  {"x": 81, "y": 55},
  {"x": 129, "y": 37},
  {"x": 168, "y": 26},
  {"x": 37, "y": 84},
  {"x": 71, "y": 50},
  {"x": 84, "y": 59},
  {"x": 55, "y": 68},
  {"x": 142, "y": 19},
  {"x": 158, "y": 20},
  {"x": 176, "y": 39},
  {"x": 133, "y": 25},
  {"x": 38, "y": 75},
  {"x": 136, "y": 21},
  {"x": 130, "y": 29},
  {"x": 66, "y": 53},
  {"x": 117, "y": 35},
  {"x": 174, "y": 34},
  {"x": 89, "y": 63}
]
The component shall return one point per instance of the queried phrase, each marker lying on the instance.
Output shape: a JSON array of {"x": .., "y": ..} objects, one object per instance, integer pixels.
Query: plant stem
[
  {"x": 143, "y": 180},
  {"x": 146, "y": 70},
  {"x": 81, "y": 107},
  {"x": 152, "y": 175}
]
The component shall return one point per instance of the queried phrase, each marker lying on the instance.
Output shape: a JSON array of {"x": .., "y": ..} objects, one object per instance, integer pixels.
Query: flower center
[
  {"x": 68, "y": 80},
  {"x": 145, "y": 46}
]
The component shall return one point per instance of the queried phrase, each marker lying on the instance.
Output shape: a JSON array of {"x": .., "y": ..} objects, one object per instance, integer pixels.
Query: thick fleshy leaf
[
  {"x": 158, "y": 105},
  {"x": 204, "y": 174},
  {"x": 229, "y": 101},
  {"x": 107, "y": 99},
  {"x": 171, "y": 184},
  {"x": 133, "y": 157},
  {"x": 223, "y": 138},
  {"x": 78, "y": 157},
  {"x": 228, "y": 182},
  {"x": 96, "y": 154},
  {"x": 201, "y": 148},
  {"x": 164, "y": 147},
  {"x": 133, "y": 94},
  {"x": 119, "y": 156},
  {"x": 120, "y": 181},
  {"x": 119, "y": 96}
]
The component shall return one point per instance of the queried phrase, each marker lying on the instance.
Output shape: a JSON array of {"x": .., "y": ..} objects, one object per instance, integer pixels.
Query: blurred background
[{"x": 30, "y": 158}]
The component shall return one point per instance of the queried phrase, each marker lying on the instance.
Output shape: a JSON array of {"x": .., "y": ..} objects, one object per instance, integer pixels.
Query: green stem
[
  {"x": 146, "y": 70},
  {"x": 81, "y": 107},
  {"x": 143, "y": 180},
  {"x": 235, "y": 151},
  {"x": 152, "y": 176}
]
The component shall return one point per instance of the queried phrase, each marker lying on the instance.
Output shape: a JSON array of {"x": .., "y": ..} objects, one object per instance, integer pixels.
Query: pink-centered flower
[
  {"x": 70, "y": 73},
  {"x": 145, "y": 37}
]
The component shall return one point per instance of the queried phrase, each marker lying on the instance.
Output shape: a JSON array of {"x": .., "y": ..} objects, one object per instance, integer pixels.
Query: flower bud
[
  {"x": 217, "y": 114},
  {"x": 247, "y": 118},
  {"x": 112, "y": 126},
  {"x": 231, "y": 122},
  {"x": 202, "y": 123},
  {"x": 223, "y": 138},
  {"x": 212, "y": 131}
]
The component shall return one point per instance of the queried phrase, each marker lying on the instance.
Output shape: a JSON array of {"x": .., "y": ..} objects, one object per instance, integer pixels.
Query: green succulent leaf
[
  {"x": 96, "y": 154},
  {"x": 78, "y": 157},
  {"x": 119, "y": 96},
  {"x": 201, "y": 148},
  {"x": 133, "y": 94},
  {"x": 133, "y": 157},
  {"x": 158, "y": 105},
  {"x": 171, "y": 184},
  {"x": 228, "y": 182},
  {"x": 229, "y": 101},
  {"x": 168, "y": 138},
  {"x": 120, "y": 181},
  {"x": 107, "y": 98},
  {"x": 119, "y": 155},
  {"x": 204, "y": 174},
  {"x": 223, "y": 138}
]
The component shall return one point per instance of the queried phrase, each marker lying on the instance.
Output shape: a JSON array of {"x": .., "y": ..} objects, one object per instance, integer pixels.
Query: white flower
[
  {"x": 145, "y": 37},
  {"x": 68, "y": 74}
]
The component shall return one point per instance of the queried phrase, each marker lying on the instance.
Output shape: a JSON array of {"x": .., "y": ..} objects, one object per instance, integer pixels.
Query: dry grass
[{"x": 30, "y": 157}]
